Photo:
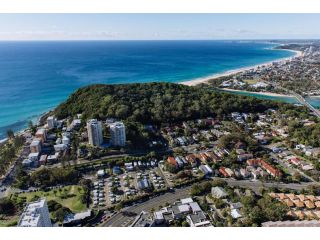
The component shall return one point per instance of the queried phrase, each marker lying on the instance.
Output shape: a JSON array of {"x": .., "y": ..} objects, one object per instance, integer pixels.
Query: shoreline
[
  {"x": 271, "y": 94},
  {"x": 205, "y": 80}
]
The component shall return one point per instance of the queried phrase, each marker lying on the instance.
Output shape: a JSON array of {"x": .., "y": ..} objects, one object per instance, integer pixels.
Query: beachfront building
[
  {"x": 51, "y": 121},
  {"x": 118, "y": 134},
  {"x": 35, "y": 214},
  {"x": 35, "y": 146},
  {"x": 41, "y": 134},
  {"x": 94, "y": 128}
]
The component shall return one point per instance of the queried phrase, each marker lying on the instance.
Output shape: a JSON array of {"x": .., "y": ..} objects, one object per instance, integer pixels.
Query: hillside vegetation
[{"x": 155, "y": 102}]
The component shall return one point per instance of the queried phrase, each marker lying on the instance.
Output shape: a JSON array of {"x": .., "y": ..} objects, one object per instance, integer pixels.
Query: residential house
[
  {"x": 192, "y": 159},
  {"x": 172, "y": 161},
  {"x": 218, "y": 192}
]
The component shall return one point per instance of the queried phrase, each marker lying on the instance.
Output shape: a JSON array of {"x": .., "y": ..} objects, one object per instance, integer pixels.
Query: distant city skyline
[{"x": 158, "y": 26}]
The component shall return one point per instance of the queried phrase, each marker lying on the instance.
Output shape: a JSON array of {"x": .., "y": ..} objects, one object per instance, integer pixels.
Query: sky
[{"x": 158, "y": 26}]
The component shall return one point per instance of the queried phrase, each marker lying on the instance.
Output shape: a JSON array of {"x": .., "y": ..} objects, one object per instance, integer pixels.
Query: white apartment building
[
  {"x": 35, "y": 146},
  {"x": 35, "y": 214},
  {"x": 118, "y": 134},
  {"x": 51, "y": 121},
  {"x": 94, "y": 128}
]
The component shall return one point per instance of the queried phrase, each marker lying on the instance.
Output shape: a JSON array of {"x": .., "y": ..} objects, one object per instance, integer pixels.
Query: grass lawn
[
  {"x": 8, "y": 221},
  {"x": 69, "y": 196},
  {"x": 251, "y": 81}
]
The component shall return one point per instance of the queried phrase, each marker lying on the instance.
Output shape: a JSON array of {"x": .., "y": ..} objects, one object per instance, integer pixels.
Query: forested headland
[{"x": 157, "y": 103}]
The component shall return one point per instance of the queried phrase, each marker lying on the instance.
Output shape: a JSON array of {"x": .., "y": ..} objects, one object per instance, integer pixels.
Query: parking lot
[{"x": 111, "y": 190}]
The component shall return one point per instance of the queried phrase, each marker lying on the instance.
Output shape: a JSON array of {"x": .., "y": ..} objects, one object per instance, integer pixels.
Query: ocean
[{"x": 37, "y": 76}]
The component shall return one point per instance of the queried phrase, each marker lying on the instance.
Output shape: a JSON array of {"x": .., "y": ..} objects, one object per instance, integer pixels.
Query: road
[
  {"x": 305, "y": 103},
  {"x": 299, "y": 98},
  {"x": 290, "y": 169},
  {"x": 82, "y": 161},
  {"x": 8, "y": 180},
  {"x": 119, "y": 220},
  {"x": 256, "y": 185}
]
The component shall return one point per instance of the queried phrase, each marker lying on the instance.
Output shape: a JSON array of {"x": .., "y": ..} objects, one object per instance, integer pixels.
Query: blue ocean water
[{"x": 37, "y": 76}]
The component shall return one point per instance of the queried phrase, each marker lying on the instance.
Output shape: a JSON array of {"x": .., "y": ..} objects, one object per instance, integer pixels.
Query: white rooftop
[
  {"x": 195, "y": 207},
  {"x": 186, "y": 200},
  {"x": 35, "y": 142},
  {"x": 218, "y": 192},
  {"x": 33, "y": 155},
  {"x": 235, "y": 213},
  {"x": 32, "y": 214},
  {"x": 184, "y": 208},
  {"x": 158, "y": 215},
  {"x": 116, "y": 125}
]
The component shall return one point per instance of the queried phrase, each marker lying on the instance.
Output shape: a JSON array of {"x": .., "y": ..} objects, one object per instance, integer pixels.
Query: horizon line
[{"x": 102, "y": 40}]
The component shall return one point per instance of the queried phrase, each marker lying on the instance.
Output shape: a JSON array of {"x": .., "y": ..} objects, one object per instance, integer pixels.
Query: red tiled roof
[
  {"x": 191, "y": 158},
  {"x": 172, "y": 161},
  {"x": 270, "y": 169},
  {"x": 223, "y": 172}
]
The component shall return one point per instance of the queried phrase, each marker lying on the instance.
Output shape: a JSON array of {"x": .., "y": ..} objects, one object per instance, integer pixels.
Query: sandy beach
[{"x": 231, "y": 72}]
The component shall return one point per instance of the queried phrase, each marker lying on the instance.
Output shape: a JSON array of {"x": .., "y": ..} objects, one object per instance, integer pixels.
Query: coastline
[
  {"x": 205, "y": 80},
  {"x": 271, "y": 94}
]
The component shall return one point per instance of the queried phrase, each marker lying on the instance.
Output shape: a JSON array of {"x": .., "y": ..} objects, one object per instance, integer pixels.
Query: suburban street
[
  {"x": 119, "y": 220},
  {"x": 290, "y": 169},
  {"x": 8, "y": 180},
  {"x": 256, "y": 185}
]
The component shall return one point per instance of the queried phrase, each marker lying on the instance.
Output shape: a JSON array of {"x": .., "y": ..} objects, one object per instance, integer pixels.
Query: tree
[
  {"x": 218, "y": 183},
  {"x": 60, "y": 214},
  {"x": 247, "y": 201},
  {"x": 185, "y": 224},
  {"x": 296, "y": 177},
  {"x": 32, "y": 127},
  {"x": 256, "y": 216},
  {"x": 195, "y": 189},
  {"x": 18, "y": 141},
  {"x": 7, "y": 206},
  {"x": 156, "y": 102},
  {"x": 199, "y": 189},
  {"x": 171, "y": 168},
  {"x": 10, "y": 134}
]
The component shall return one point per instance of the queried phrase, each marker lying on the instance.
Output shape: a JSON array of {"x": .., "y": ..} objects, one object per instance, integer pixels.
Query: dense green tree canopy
[{"x": 155, "y": 102}]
